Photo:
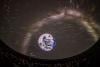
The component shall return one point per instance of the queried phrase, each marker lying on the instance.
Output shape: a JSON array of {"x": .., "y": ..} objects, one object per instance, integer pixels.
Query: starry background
[
  {"x": 20, "y": 15},
  {"x": 17, "y": 16}
]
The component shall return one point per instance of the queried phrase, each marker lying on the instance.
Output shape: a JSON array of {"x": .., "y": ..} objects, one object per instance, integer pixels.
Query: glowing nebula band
[{"x": 63, "y": 14}]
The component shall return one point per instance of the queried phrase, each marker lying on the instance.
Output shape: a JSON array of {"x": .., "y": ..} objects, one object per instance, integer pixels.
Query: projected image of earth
[{"x": 46, "y": 42}]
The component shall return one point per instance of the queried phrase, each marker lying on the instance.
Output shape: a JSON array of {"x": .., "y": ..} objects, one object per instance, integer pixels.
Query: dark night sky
[{"x": 71, "y": 36}]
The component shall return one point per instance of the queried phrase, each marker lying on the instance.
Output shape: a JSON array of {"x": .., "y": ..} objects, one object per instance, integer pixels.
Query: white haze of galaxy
[{"x": 64, "y": 13}]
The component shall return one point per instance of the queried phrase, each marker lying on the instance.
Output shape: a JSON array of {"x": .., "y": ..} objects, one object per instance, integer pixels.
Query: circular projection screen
[{"x": 49, "y": 29}]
